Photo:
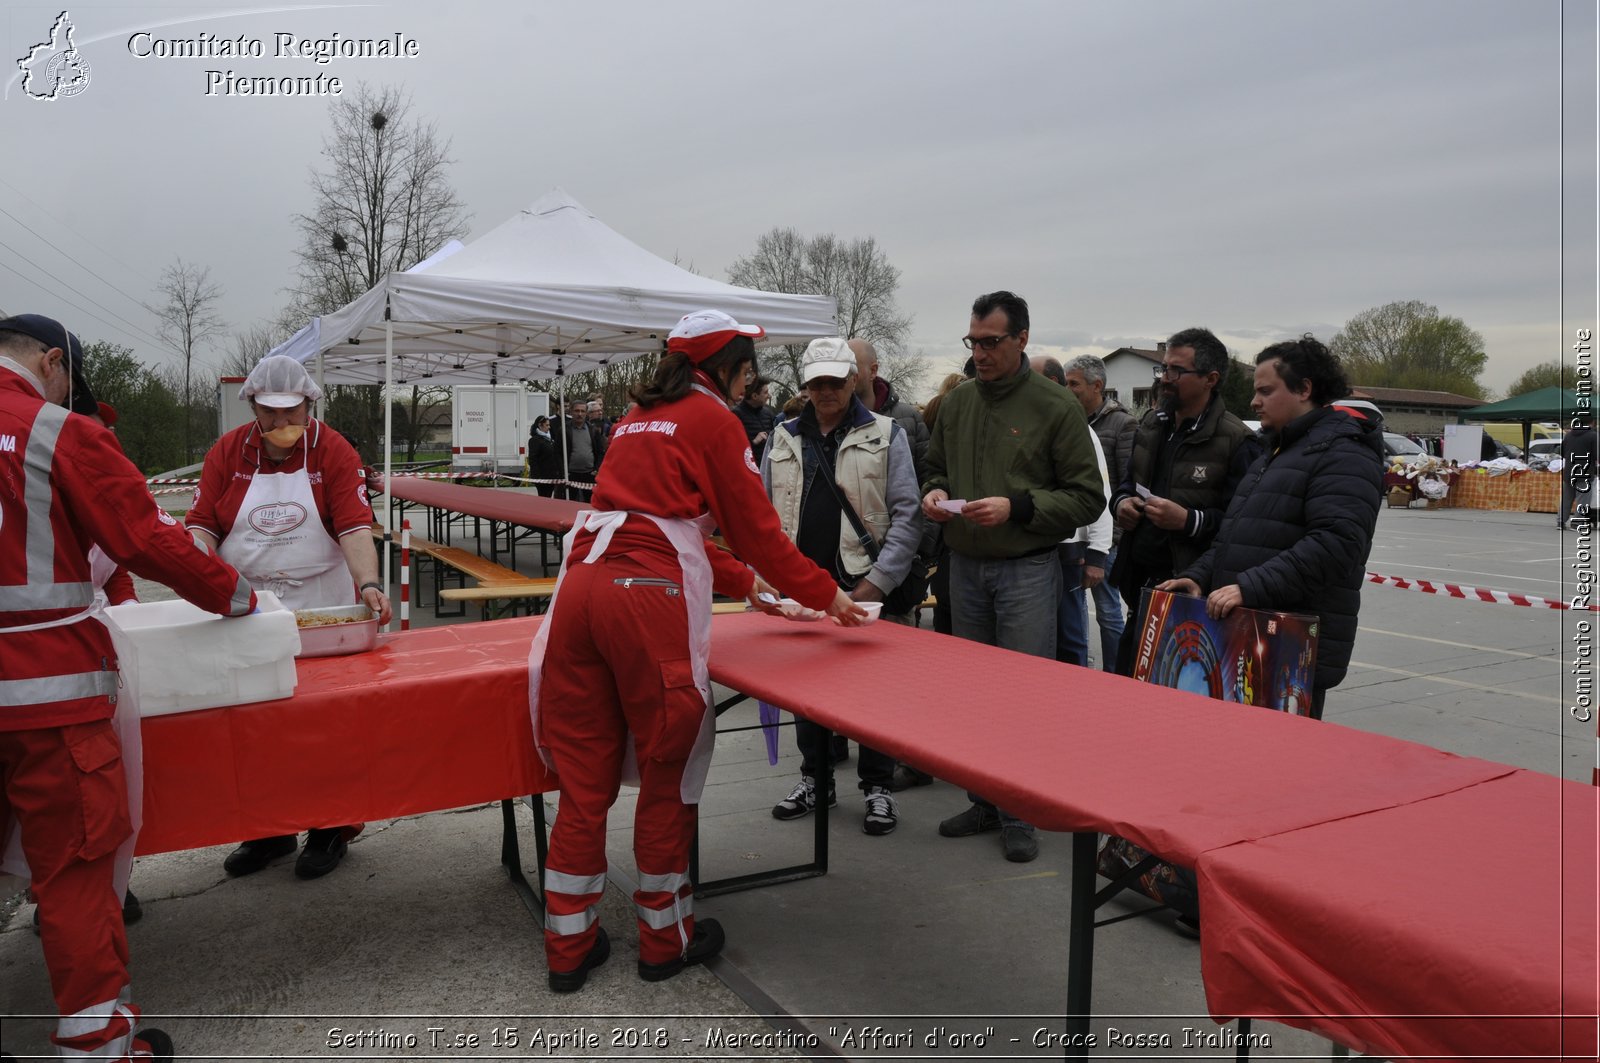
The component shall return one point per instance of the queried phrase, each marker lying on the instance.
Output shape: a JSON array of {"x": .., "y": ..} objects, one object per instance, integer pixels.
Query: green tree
[
  {"x": 1411, "y": 345},
  {"x": 1551, "y": 374},
  {"x": 857, "y": 274},
  {"x": 149, "y": 413},
  {"x": 1239, "y": 389}
]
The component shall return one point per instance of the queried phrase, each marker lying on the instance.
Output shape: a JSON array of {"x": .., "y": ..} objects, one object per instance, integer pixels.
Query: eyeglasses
[
  {"x": 988, "y": 343},
  {"x": 1174, "y": 371}
]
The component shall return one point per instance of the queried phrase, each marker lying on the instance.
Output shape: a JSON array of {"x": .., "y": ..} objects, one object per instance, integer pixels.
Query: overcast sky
[{"x": 1131, "y": 168}]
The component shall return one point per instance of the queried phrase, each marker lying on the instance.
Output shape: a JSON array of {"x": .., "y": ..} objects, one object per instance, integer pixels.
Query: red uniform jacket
[
  {"x": 64, "y": 486},
  {"x": 684, "y": 458}
]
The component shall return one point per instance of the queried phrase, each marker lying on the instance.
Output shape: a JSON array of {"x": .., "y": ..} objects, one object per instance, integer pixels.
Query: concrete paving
[{"x": 909, "y": 937}]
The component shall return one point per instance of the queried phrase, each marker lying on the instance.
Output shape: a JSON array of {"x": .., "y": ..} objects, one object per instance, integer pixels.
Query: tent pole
[
  {"x": 388, "y": 444},
  {"x": 322, "y": 382},
  {"x": 561, "y": 412},
  {"x": 494, "y": 438}
]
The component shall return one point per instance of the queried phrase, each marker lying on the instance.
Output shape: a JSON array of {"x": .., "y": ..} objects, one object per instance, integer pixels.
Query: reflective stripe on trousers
[
  {"x": 665, "y": 901},
  {"x": 103, "y": 1031},
  {"x": 571, "y": 902}
]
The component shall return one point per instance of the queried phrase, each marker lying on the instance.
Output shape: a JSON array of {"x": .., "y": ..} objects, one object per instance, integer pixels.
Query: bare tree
[
  {"x": 856, "y": 273},
  {"x": 187, "y": 319},
  {"x": 381, "y": 203},
  {"x": 250, "y": 345}
]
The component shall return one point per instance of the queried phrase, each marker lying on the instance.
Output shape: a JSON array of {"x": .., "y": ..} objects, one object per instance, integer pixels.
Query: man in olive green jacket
[{"x": 1013, "y": 449}]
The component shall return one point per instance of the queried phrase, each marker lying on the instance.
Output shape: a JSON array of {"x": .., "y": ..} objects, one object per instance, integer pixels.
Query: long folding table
[
  {"x": 431, "y": 719},
  {"x": 505, "y": 510},
  {"x": 1255, "y": 801},
  {"x": 1463, "y": 925}
]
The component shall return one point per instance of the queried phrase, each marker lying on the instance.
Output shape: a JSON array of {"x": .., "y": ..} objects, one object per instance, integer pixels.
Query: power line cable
[
  {"x": 67, "y": 226},
  {"x": 70, "y": 303},
  {"x": 136, "y": 329},
  {"x": 52, "y": 245}
]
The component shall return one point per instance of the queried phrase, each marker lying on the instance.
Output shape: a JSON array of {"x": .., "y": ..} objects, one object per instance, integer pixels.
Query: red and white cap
[{"x": 705, "y": 332}]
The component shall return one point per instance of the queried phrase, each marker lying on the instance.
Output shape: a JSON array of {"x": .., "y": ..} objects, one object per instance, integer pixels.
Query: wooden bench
[
  {"x": 535, "y": 592},
  {"x": 463, "y": 564}
]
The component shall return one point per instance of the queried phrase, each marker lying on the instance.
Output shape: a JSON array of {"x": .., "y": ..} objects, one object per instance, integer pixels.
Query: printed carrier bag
[{"x": 1252, "y": 657}]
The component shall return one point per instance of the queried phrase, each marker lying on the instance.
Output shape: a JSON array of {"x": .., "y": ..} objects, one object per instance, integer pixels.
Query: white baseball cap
[
  {"x": 705, "y": 332},
  {"x": 280, "y": 382},
  {"x": 829, "y": 356}
]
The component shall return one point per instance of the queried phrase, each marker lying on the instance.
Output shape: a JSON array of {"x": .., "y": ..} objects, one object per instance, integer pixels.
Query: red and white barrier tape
[
  {"x": 1451, "y": 590},
  {"x": 170, "y": 480}
]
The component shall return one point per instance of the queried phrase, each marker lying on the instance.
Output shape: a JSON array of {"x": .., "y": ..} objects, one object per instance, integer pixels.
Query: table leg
[
  {"x": 511, "y": 853},
  {"x": 1080, "y": 942}
]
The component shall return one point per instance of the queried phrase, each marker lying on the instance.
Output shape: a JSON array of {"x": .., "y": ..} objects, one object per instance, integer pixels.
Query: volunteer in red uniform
[
  {"x": 65, "y": 486},
  {"x": 627, "y": 640},
  {"x": 283, "y": 499}
]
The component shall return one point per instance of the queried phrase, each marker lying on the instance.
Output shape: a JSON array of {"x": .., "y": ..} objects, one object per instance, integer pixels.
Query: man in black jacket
[
  {"x": 580, "y": 447},
  {"x": 1188, "y": 457},
  {"x": 1297, "y": 534}
]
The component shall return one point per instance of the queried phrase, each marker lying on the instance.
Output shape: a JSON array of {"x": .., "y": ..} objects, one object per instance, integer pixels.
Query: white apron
[
  {"x": 278, "y": 544},
  {"x": 688, "y": 537}
]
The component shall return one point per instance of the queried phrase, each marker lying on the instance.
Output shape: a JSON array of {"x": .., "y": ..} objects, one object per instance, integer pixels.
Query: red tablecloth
[
  {"x": 434, "y": 718},
  {"x": 492, "y": 503},
  {"x": 1076, "y": 748},
  {"x": 1461, "y": 925},
  {"x": 1437, "y": 866}
]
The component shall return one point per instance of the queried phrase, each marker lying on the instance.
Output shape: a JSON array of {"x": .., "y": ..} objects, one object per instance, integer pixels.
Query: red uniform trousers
[
  {"x": 65, "y": 786},
  {"x": 617, "y": 661}
]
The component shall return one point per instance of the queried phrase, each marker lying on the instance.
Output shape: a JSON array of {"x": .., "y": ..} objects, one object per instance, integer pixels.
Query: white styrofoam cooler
[{"x": 176, "y": 657}]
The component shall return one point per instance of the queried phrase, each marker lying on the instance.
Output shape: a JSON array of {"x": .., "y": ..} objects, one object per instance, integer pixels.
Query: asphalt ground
[{"x": 909, "y": 937}]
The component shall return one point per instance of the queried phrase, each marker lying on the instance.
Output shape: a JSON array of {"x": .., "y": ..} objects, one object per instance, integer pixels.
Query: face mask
[{"x": 286, "y": 436}]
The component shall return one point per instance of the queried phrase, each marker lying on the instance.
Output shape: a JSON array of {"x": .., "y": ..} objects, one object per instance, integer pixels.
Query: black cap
[{"x": 52, "y": 333}]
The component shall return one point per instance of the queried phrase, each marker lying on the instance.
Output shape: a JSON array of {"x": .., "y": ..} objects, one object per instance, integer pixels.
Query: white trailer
[
  {"x": 232, "y": 411},
  {"x": 487, "y": 433}
]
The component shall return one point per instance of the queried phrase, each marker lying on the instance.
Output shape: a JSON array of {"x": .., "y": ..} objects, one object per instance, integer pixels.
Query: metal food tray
[{"x": 336, "y": 640}]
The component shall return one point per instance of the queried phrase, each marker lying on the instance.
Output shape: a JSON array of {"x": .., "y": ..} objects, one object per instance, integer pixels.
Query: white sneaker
[{"x": 883, "y": 816}]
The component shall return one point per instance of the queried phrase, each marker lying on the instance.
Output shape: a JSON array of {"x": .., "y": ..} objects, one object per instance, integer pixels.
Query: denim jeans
[
  {"x": 1108, "y": 615},
  {"x": 1007, "y": 603},
  {"x": 1072, "y": 636},
  {"x": 1072, "y": 615}
]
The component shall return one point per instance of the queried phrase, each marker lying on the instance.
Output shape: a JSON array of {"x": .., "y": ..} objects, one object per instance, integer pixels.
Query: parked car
[
  {"x": 1396, "y": 445},
  {"x": 1548, "y": 447}
]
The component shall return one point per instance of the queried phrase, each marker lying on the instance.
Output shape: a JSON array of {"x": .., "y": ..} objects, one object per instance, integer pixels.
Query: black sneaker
[
  {"x": 1020, "y": 844},
  {"x": 905, "y": 777},
  {"x": 572, "y": 981},
  {"x": 882, "y": 814},
  {"x": 325, "y": 847},
  {"x": 802, "y": 800},
  {"x": 254, "y": 855},
  {"x": 707, "y": 942},
  {"x": 152, "y": 1044},
  {"x": 1187, "y": 926},
  {"x": 975, "y": 820}
]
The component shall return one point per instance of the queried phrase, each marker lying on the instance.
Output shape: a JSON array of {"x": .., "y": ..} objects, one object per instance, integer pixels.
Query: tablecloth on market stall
[{"x": 1517, "y": 492}]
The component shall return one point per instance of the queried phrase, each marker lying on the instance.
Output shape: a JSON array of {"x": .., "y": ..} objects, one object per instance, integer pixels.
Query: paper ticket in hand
[
  {"x": 952, "y": 505},
  {"x": 1142, "y": 491}
]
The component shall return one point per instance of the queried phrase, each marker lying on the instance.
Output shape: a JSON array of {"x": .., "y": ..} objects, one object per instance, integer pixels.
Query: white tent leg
[{"x": 388, "y": 447}]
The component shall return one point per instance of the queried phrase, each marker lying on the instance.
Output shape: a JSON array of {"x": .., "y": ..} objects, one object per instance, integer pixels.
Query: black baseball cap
[{"x": 52, "y": 333}]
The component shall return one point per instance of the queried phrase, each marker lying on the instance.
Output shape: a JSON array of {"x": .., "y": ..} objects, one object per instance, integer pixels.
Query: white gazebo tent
[{"x": 552, "y": 290}]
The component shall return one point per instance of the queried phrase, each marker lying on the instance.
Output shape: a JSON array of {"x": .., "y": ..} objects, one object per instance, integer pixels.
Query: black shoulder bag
[{"x": 914, "y": 588}]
